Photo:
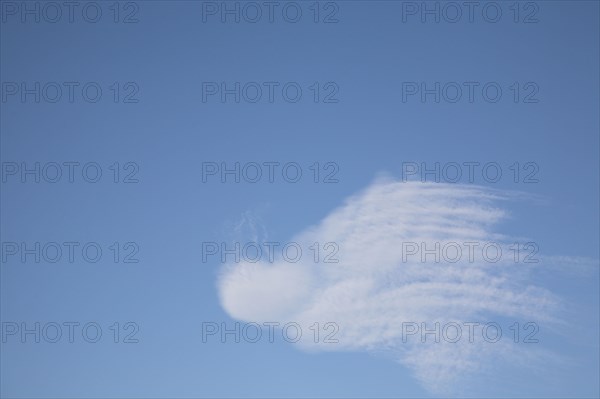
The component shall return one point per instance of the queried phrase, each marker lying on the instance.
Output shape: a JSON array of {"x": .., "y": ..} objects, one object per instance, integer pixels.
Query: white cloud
[{"x": 372, "y": 291}]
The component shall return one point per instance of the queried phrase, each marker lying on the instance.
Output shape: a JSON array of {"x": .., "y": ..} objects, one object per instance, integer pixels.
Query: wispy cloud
[{"x": 372, "y": 291}]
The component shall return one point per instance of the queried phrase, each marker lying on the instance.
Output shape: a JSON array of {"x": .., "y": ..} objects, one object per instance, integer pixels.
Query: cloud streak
[{"x": 372, "y": 290}]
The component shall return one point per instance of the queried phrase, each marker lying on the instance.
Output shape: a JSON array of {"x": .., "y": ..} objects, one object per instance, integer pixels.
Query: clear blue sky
[{"x": 364, "y": 61}]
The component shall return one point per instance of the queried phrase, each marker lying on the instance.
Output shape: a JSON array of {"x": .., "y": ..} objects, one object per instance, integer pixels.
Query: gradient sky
[{"x": 166, "y": 53}]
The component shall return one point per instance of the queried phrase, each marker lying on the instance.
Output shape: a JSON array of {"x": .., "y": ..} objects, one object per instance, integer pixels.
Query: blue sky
[{"x": 165, "y": 126}]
